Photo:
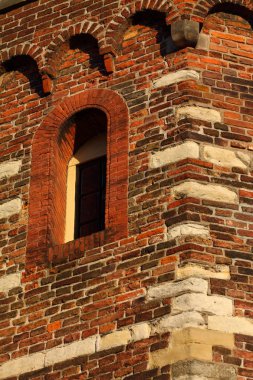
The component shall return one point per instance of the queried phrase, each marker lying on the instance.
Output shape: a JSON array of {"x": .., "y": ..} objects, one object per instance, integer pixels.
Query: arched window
[
  {"x": 86, "y": 177},
  {"x": 73, "y": 135}
]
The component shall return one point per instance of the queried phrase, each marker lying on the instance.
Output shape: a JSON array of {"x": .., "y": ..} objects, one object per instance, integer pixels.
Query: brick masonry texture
[{"x": 165, "y": 292}]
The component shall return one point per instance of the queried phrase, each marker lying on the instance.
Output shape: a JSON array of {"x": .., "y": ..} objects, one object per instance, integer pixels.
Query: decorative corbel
[
  {"x": 109, "y": 63},
  {"x": 47, "y": 82},
  {"x": 109, "y": 55},
  {"x": 185, "y": 33}
]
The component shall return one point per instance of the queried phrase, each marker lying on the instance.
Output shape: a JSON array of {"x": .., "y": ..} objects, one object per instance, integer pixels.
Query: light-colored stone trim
[
  {"x": 189, "y": 149},
  {"x": 188, "y": 229},
  {"x": 9, "y": 282},
  {"x": 22, "y": 365},
  {"x": 225, "y": 157},
  {"x": 178, "y": 321},
  {"x": 172, "y": 289},
  {"x": 189, "y": 270},
  {"x": 199, "y": 370},
  {"x": 190, "y": 343},
  {"x": 10, "y": 208},
  {"x": 185, "y": 344},
  {"x": 73, "y": 350},
  {"x": 211, "y": 192},
  {"x": 203, "y": 42},
  {"x": 10, "y": 168},
  {"x": 114, "y": 339},
  {"x": 176, "y": 77},
  {"x": 217, "y": 305},
  {"x": 200, "y": 113},
  {"x": 237, "y": 325},
  {"x": 70, "y": 351}
]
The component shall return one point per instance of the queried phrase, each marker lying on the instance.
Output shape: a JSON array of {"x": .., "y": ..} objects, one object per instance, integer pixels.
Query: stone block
[
  {"x": 189, "y": 270},
  {"x": 171, "y": 289},
  {"x": 212, "y": 192},
  {"x": 176, "y": 77},
  {"x": 170, "y": 355},
  {"x": 192, "y": 229},
  {"x": 216, "y": 305},
  {"x": 10, "y": 208},
  {"x": 178, "y": 321},
  {"x": 237, "y": 325},
  {"x": 213, "y": 371},
  {"x": 185, "y": 33},
  {"x": 188, "y": 149},
  {"x": 9, "y": 282},
  {"x": 9, "y": 169},
  {"x": 140, "y": 331},
  {"x": 225, "y": 157},
  {"x": 69, "y": 351},
  {"x": 115, "y": 339},
  {"x": 203, "y": 336},
  {"x": 199, "y": 113},
  {"x": 203, "y": 42},
  {"x": 21, "y": 365},
  {"x": 190, "y": 343}
]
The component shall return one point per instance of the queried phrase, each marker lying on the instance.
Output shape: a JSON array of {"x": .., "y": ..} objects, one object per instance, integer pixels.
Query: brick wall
[{"x": 165, "y": 292}]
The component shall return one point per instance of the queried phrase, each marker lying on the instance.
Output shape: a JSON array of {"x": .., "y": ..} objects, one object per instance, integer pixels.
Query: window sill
[{"x": 76, "y": 249}]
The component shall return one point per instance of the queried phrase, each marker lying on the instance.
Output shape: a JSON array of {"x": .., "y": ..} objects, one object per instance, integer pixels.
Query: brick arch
[
  {"x": 93, "y": 28},
  {"x": 50, "y": 155},
  {"x": 33, "y": 51},
  {"x": 203, "y": 7},
  {"x": 120, "y": 22}
]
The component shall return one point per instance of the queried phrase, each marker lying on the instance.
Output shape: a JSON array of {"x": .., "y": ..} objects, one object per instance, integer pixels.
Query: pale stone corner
[
  {"x": 188, "y": 229},
  {"x": 231, "y": 324},
  {"x": 10, "y": 208},
  {"x": 194, "y": 370},
  {"x": 178, "y": 321},
  {"x": 114, "y": 339},
  {"x": 208, "y": 191},
  {"x": 218, "y": 271},
  {"x": 9, "y": 282},
  {"x": 188, "y": 344},
  {"x": 9, "y": 168},
  {"x": 200, "y": 113},
  {"x": 188, "y": 149},
  {"x": 203, "y": 42},
  {"x": 216, "y": 305},
  {"x": 176, "y": 77},
  {"x": 226, "y": 157},
  {"x": 172, "y": 289}
]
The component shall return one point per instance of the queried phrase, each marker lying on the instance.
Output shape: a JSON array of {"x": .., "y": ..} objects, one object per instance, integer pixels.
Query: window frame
[
  {"x": 102, "y": 191},
  {"x": 92, "y": 149}
]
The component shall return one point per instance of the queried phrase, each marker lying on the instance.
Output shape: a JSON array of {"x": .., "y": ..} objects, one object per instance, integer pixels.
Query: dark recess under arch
[{"x": 234, "y": 9}]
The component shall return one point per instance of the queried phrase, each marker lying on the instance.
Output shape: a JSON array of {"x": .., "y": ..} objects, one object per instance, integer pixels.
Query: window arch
[{"x": 53, "y": 146}]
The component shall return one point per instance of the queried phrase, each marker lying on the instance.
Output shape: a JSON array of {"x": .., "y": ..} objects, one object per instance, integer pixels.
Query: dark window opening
[{"x": 91, "y": 190}]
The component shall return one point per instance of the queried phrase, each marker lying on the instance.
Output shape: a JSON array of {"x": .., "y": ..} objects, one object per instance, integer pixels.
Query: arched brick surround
[
  {"x": 30, "y": 50},
  {"x": 202, "y": 7},
  {"x": 54, "y": 50},
  {"x": 120, "y": 22},
  {"x": 51, "y": 150}
]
